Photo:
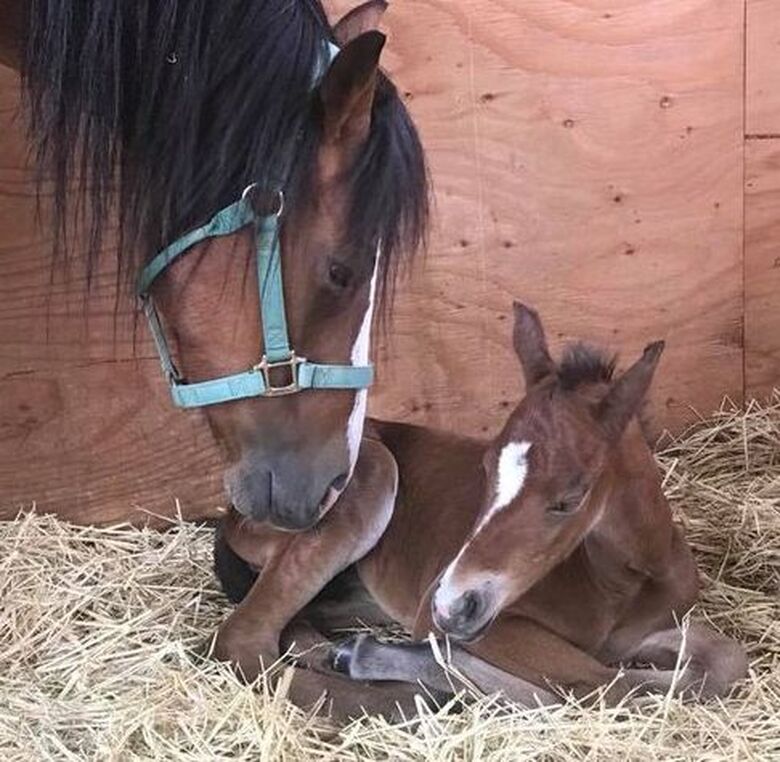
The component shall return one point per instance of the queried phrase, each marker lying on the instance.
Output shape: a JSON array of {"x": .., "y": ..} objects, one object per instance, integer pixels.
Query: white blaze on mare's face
[
  {"x": 510, "y": 478},
  {"x": 359, "y": 356}
]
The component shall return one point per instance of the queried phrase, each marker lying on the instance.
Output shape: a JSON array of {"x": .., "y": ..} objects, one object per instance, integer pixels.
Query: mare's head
[
  {"x": 201, "y": 102},
  {"x": 546, "y": 476}
]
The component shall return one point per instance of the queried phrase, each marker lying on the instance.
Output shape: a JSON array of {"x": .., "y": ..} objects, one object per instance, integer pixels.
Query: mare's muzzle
[{"x": 290, "y": 490}]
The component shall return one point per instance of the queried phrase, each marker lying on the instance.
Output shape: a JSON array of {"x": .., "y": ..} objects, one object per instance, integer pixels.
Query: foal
[{"x": 549, "y": 555}]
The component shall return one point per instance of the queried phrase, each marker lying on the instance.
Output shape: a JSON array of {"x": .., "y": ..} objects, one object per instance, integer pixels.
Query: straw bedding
[{"x": 96, "y": 627}]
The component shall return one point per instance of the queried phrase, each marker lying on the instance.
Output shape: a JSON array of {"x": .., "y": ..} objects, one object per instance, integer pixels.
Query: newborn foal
[{"x": 550, "y": 555}]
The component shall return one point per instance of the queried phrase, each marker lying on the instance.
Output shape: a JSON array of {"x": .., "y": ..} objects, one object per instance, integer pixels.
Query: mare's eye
[{"x": 339, "y": 275}]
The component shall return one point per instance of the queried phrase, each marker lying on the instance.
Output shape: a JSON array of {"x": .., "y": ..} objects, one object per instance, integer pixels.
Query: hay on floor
[{"x": 96, "y": 627}]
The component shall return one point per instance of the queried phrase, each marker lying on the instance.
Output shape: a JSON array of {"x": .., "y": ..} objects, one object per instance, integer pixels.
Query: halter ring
[
  {"x": 279, "y": 198},
  {"x": 249, "y": 188}
]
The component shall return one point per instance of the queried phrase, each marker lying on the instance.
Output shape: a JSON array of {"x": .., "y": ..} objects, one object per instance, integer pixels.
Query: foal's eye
[
  {"x": 339, "y": 275},
  {"x": 564, "y": 507}
]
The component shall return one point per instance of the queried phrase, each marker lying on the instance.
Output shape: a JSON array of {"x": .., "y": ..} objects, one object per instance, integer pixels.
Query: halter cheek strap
[{"x": 278, "y": 356}]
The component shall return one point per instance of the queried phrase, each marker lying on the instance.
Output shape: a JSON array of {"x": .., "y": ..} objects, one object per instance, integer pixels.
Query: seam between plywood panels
[{"x": 761, "y": 197}]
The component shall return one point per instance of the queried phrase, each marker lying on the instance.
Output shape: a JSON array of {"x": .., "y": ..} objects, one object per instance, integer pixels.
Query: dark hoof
[{"x": 343, "y": 653}]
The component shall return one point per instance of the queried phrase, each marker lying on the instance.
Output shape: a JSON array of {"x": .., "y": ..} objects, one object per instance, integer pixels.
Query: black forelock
[{"x": 584, "y": 364}]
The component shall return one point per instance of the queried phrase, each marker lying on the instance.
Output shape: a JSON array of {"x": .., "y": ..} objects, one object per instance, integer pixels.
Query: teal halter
[{"x": 255, "y": 382}]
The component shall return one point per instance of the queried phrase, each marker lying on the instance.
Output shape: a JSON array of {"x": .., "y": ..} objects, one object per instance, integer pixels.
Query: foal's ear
[
  {"x": 627, "y": 393},
  {"x": 363, "y": 18},
  {"x": 347, "y": 89},
  {"x": 531, "y": 345}
]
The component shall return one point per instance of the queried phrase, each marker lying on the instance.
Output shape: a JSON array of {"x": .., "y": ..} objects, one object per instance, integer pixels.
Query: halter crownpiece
[{"x": 257, "y": 381}]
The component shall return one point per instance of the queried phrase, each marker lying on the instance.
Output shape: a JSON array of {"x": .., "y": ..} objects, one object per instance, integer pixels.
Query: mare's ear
[
  {"x": 625, "y": 396},
  {"x": 362, "y": 19},
  {"x": 347, "y": 90},
  {"x": 531, "y": 345}
]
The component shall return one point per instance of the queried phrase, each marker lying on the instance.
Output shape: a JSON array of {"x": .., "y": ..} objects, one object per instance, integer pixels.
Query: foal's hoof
[{"x": 343, "y": 653}]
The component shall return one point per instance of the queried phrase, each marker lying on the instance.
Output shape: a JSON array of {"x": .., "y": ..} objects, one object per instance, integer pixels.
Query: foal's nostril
[
  {"x": 467, "y": 606},
  {"x": 340, "y": 482}
]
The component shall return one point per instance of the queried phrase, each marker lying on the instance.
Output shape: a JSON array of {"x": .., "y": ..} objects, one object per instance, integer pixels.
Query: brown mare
[
  {"x": 548, "y": 555},
  {"x": 174, "y": 121},
  {"x": 160, "y": 112}
]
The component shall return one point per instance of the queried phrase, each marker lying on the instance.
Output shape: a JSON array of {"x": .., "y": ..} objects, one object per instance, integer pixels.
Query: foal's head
[{"x": 546, "y": 476}]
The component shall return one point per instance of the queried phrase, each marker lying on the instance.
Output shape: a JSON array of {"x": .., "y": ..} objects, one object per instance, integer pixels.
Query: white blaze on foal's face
[
  {"x": 510, "y": 476},
  {"x": 511, "y": 473}
]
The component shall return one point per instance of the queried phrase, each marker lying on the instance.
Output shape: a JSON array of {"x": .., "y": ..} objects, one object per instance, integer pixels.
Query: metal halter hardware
[{"x": 257, "y": 381}]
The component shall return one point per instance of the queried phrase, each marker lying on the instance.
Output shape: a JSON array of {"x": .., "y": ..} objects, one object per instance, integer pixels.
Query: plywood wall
[
  {"x": 589, "y": 158},
  {"x": 86, "y": 426}
]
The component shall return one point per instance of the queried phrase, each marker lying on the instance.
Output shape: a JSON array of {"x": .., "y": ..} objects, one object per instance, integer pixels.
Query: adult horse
[
  {"x": 215, "y": 135},
  {"x": 156, "y": 115}
]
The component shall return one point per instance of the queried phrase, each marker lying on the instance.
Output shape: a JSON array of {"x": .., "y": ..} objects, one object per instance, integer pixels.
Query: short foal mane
[
  {"x": 162, "y": 111},
  {"x": 584, "y": 364}
]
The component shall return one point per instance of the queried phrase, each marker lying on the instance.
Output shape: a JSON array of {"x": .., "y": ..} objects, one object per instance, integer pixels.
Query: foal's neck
[{"x": 633, "y": 537}]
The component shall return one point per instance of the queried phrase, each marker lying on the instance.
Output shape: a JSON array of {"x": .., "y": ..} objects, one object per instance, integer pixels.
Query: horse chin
[
  {"x": 474, "y": 635},
  {"x": 292, "y": 530},
  {"x": 327, "y": 502},
  {"x": 466, "y": 636},
  {"x": 246, "y": 521}
]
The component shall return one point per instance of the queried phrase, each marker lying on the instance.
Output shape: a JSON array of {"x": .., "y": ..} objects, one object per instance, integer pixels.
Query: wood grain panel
[
  {"x": 86, "y": 425},
  {"x": 587, "y": 159},
  {"x": 762, "y": 55},
  {"x": 762, "y": 267}
]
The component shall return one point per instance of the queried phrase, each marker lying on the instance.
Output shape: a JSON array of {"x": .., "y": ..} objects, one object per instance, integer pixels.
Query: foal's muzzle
[{"x": 466, "y": 617}]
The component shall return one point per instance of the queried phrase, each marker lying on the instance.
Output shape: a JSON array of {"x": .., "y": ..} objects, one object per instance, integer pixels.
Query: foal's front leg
[
  {"x": 523, "y": 647},
  {"x": 516, "y": 657},
  {"x": 295, "y": 567},
  {"x": 365, "y": 658}
]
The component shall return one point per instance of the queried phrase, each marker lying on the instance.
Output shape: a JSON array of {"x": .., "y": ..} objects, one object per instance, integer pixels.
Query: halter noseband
[{"x": 257, "y": 381}]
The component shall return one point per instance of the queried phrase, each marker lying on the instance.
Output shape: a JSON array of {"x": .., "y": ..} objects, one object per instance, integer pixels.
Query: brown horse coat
[{"x": 550, "y": 553}]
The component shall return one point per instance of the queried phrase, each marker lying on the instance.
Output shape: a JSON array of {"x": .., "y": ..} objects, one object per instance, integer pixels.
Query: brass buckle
[{"x": 265, "y": 367}]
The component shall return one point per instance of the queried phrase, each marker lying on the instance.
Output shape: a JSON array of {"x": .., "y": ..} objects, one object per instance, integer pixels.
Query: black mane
[
  {"x": 584, "y": 364},
  {"x": 161, "y": 111}
]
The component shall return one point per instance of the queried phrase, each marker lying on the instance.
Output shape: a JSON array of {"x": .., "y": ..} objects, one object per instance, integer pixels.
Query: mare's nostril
[{"x": 340, "y": 482}]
